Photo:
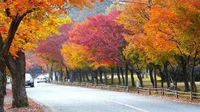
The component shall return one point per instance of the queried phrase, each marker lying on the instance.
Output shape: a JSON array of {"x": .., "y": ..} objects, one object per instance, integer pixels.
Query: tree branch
[
  {"x": 12, "y": 31},
  {"x": 7, "y": 11}
]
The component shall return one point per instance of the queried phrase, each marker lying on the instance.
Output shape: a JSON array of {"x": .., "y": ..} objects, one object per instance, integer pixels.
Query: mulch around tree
[{"x": 33, "y": 106}]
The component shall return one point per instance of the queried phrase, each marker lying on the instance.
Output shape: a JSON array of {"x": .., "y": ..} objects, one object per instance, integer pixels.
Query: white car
[
  {"x": 41, "y": 78},
  {"x": 29, "y": 80},
  {"x": 8, "y": 79},
  {"x": 47, "y": 76}
]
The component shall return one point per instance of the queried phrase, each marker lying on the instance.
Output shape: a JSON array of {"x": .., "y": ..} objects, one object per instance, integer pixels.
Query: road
[{"x": 59, "y": 98}]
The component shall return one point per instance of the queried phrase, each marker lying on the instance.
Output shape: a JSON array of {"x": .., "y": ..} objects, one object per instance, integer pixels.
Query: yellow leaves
[
  {"x": 114, "y": 7},
  {"x": 133, "y": 17},
  {"x": 165, "y": 30},
  {"x": 96, "y": 65},
  {"x": 31, "y": 31},
  {"x": 16, "y": 6},
  {"x": 51, "y": 22},
  {"x": 43, "y": 18},
  {"x": 56, "y": 7},
  {"x": 192, "y": 5},
  {"x": 81, "y": 3},
  {"x": 169, "y": 27},
  {"x": 3, "y": 23},
  {"x": 153, "y": 28},
  {"x": 75, "y": 56}
]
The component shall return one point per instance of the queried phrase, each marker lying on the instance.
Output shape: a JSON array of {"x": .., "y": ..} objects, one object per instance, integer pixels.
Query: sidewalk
[{"x": 33, "y": 107}]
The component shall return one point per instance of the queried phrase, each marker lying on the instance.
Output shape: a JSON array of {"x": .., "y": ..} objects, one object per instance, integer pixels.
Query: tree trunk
[
  {"x": 106, "y": 78},
  {"x": 71, "y": 75},
  {"x": 4, "y": 51},
  {"x": 165, "y": 71},
  {"x": 122, "y": 73},
  {"x": 66, "y": 75},
  {"x": 118, "y": 75},
  {"x": 132, "y": 78},
  {"x": 184, "y": 72},
  {"x": 162, "y": 77},
  {"x": 185, "y": 78},
  {"x": 51, "y": 74},
  {"x": 87, "y": 77},
  {"x": 56, "y": 76},
  {"x": 155, "y": 78},
  {"x": 176, "y": 81},
  {"x": 92, "y": 76},
  {"x": 61, "y": 74},
  {"x": 83, "y": 76},
  {"x": 140, "y": 78},
  {"x": 112, "y": 75},
  {"x": 100, "y": 75},
  {"x": 193, "y": 85},
  {"x": 96, "y": 76},
  {"x": 151, "y": 76},
  {"x": 80, "y": 76},
  {"x": 17, "y": 69},
  {"x": 126, "y": 75},
  {"x": 2, "y": 83},
  {"x": 76, "y": 76}
]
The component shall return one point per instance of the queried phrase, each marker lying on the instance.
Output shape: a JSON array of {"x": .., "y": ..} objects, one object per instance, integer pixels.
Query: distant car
[
  {"x": 8, "y": 79},
  {"x": 41, "y": 78},
  {"x": 47, "y": 77},
  {"x": 29, "y": 80}
]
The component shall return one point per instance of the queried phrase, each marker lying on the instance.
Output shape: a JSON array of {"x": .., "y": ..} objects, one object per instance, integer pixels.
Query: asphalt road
[{"x": 58, "y": 98}]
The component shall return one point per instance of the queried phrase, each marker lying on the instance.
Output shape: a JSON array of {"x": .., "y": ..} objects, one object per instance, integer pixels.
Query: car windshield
[{"x": 28, "y": 76}]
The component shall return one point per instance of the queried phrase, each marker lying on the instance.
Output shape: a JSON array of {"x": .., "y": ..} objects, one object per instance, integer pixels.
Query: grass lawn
[{"x": 147, "y": 82}]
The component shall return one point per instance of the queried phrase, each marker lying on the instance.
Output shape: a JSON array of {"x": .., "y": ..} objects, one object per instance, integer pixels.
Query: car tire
[{"x": 32, "y": 85}]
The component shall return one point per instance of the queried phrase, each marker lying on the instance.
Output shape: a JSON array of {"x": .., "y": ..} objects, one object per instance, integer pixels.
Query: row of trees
[
  {"x": 22, "y": 24},
  {"x": 161, "y": 37}
]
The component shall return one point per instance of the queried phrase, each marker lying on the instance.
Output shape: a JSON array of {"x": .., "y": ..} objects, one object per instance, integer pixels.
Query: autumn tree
[
  {"x": 103, "y": 37},
  {"x": 136, "y": 55},
  {"x": 76, "y": 58},
  {"x": 49, "y": 49},
  {"x": 133, "y": 18},
  {"x": 176, "y": 32},
  {"x": 13, "y": 13},
  {"x": 165, "y": 38}
]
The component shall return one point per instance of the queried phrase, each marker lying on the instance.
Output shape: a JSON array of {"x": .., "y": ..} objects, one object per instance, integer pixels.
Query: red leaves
[
  {"x": 3, "y": 29},
  {"x": 102, "y": 36},
  {"x": 51, "y": 47}
]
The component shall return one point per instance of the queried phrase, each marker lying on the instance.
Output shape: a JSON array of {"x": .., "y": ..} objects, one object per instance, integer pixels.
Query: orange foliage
[
  {"x": 36, "y": 18},
  {"x": 75, "y": 56}
]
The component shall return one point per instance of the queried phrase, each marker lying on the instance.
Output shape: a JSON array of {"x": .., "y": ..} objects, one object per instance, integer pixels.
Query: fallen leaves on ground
[{"x": 33, "y": 107}]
